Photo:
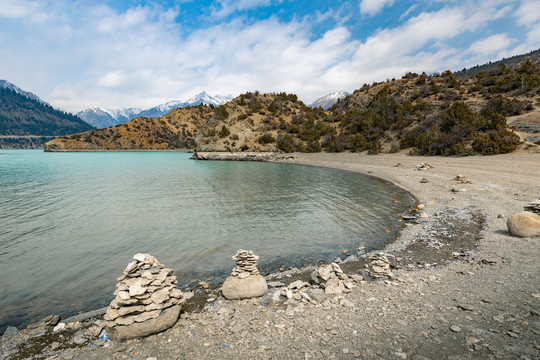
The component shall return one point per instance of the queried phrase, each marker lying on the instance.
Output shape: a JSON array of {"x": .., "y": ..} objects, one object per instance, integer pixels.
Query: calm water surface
[{"x": 70, "y": 222}]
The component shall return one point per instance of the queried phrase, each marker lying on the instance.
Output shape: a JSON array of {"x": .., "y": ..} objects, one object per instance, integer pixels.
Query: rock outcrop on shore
[
  {"x": 241, "y": 156},
  {"x": 245, "y": 281},
  {"x": 147, "y": 300}
]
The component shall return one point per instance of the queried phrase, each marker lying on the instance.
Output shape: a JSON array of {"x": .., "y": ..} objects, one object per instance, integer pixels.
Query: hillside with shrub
[
  {"x": 437, "y": 114},
  {"x": 175, "y": 130}
]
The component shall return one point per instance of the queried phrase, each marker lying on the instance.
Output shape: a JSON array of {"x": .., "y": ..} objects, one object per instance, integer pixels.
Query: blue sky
[{"x": 77, "y": 54}]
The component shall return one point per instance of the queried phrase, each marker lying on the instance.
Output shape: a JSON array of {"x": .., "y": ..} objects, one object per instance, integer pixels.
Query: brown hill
[
  {"x": 438, "y": 114},
  {"x": 175, "y": 130}
]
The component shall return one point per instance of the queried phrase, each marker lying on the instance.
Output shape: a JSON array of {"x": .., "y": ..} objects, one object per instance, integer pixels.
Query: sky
[{"x": 77, "y": 54}]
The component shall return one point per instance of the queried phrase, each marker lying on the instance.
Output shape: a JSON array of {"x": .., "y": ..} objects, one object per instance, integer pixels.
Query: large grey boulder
[
  {"x": 524, "y": 224},
  {"x": 236, "y": 288},
  {"x": 164, "y": 321}
]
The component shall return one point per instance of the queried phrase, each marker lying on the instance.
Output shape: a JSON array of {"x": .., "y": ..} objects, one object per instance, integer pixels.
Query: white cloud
[
  {"x": 81, "y": 55},
  {"x": 16, "y": 8},
  {"x": 227, "y": 7},
  {"x": 528, "y": 12},
  {"x": 372, "y": 7},
  {"x": 491, "y": 44}
]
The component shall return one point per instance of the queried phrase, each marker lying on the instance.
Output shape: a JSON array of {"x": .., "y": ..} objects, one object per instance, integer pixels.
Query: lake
[{"x": 71, "y": 222}]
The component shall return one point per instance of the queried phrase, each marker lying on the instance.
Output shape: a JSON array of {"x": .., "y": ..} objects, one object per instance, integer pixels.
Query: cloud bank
[{"x": 79, "y": 54}]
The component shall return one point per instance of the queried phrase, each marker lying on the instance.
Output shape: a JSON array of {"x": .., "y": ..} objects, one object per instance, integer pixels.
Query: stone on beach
[
  {"x": 379, "y": 266},
  {"x": 145, "y": 293},
  {"x": 524, "y": 224},
  {"x": 332, "y": 279},
  {"x": 245, "y": 281},
  {"x": 165, "y": 320}
]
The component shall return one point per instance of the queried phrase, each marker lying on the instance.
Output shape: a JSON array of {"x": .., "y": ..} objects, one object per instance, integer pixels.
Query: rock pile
[
  {"x": 333, "y": 280},
  {"x": 147, "y": 300},
  {"x": 245, "y": 281},
  {"x": 297, "y": 290},
  {"x": 379, "y": 266},
  {"x": 424, "y": 166},
  {"x": 533, "y": 206},
  {"x": 462, "y": 179}
]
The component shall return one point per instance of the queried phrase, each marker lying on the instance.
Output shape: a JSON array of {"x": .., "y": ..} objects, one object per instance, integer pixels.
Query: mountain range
[
  {"x": 437, "y": 114},
  {"x": 103, "y": 118}
]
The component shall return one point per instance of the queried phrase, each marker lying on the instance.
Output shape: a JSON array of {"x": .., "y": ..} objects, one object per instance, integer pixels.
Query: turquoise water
[{"x": 70, "y": 222}]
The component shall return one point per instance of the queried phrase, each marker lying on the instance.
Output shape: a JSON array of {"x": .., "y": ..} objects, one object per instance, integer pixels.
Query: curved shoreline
[{"x": 485, "y": 304}]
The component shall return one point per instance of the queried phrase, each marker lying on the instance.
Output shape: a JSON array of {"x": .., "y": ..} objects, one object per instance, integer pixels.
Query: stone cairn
[
  {"x": 379, "y": 266},
  {"x": 246, "y": 264},
  {"x": 245, "y": 281},
  {"x": 145, "y": 292}
]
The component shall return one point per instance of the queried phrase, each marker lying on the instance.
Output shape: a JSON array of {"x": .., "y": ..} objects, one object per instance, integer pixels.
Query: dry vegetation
[
  {"x": 175, "y": 130},
  {"x": 438, "y": 114}
]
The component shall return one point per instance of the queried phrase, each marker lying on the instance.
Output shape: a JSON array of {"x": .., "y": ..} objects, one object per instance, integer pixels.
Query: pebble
[
  {"x": 80, "y": 340},
  {"x": 401, "y": 355},
  {"x": 455, "y": 328},
  {"x": 512, "y": 334}
]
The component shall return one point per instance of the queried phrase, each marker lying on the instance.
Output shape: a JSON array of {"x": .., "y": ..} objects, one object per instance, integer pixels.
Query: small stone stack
[
  {"x": 379, "y": 266},
  {"x": 533, "y": 206},
  {"x": 333, "y": 279},
  {"x": 146, "y": 299},
  {"x": 246, "y": 264},
  {"x": 245, "y": 281}
]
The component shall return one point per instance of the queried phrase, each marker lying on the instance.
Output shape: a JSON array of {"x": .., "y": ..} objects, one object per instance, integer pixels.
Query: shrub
[
  {"x": 286, "y": 143},
  {"x": 266, "y": 139},
  {"x": 224, "y": 132},
  {"x": 496, "y": 142},
  {"x": 313, "y": 146},
  {"x": 221, "y": 113}
]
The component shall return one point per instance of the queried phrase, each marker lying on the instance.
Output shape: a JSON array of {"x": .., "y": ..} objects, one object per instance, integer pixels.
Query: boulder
[
  {"x": 153, "y": 326},
  {"x": 246, "y": 288},
  {"x": 524, "y": 224}
]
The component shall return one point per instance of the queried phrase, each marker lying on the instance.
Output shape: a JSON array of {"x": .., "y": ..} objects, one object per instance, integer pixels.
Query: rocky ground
[{"x": 460, "y": 287}]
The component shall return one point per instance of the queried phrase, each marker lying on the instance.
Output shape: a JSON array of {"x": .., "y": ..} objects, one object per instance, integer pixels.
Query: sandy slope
[{"x": 484, "y": 305}]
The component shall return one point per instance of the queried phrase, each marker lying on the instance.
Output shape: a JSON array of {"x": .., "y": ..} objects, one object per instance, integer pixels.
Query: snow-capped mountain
[
  {"x": 102, "y": 118},
  {"x": 327, "y": 101},
  {"x": 7, "y": 85}
]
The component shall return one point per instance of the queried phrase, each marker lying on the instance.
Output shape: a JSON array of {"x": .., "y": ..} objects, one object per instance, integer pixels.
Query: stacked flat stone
[
  {"x": 246, "y": 264},
  {"x": 245, "y": 281},
  {"x": 533, "y": 206},
  {"x": 379, "y": 266},
  {"x": 144, "y": 291}
]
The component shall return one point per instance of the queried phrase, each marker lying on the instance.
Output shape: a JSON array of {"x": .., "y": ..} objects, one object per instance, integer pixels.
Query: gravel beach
[{"x": 461, "y": 287}]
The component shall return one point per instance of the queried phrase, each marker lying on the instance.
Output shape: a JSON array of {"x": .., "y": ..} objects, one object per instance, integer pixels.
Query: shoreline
[{"x": 497, "y": 280}]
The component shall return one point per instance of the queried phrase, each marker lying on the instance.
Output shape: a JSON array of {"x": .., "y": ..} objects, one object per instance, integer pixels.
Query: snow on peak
[
  {"x": 329, "y": 100},
  {"x": 7, "y": 85}
]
